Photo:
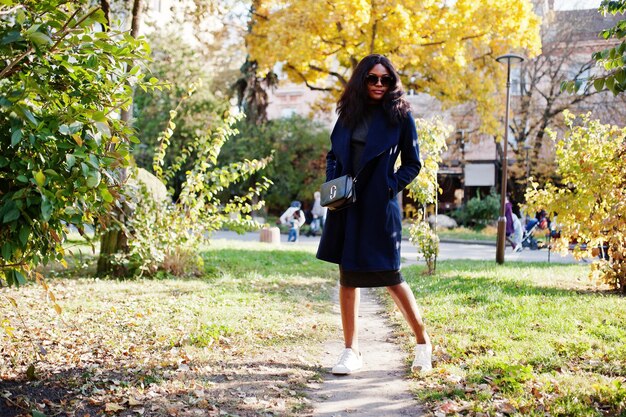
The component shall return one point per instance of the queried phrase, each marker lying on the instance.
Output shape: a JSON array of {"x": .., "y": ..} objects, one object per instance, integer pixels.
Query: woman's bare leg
[
  {"x": 349, "y": 298},
  {"x": 405, "y": 300}
]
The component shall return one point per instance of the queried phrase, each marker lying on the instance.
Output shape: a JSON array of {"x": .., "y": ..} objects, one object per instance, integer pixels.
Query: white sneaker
[
  {"x": 348, "y": 362},
  {"x": 423, "y": 358}
]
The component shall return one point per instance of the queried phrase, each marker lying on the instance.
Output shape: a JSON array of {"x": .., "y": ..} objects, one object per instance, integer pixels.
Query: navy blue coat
[{"x": 366, "y": 236}]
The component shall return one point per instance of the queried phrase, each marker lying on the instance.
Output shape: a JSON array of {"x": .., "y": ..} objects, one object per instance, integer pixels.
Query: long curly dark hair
[{"x": 353, "y": 105}]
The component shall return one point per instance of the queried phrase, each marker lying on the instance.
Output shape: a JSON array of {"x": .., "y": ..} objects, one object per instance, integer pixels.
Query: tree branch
[
  {"x": 305, "y": 81},
  {"x": 463, "y": 39},
  {"x": 333, "y": 73}
]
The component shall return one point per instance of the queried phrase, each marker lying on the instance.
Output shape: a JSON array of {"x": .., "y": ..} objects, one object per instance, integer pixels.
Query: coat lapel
[{"x": 381, "y": 136}]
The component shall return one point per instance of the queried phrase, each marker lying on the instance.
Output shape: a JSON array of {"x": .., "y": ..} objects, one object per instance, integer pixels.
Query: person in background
[
  {"x": 518, "y": 233},
  {"x": 319, "y": 215},
  {"x": 294, "y": 218},
  {"x": 508, "y": 214}
]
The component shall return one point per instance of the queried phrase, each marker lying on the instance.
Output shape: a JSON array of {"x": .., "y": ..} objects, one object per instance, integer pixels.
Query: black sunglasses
[{"x": 385, "y": 80}]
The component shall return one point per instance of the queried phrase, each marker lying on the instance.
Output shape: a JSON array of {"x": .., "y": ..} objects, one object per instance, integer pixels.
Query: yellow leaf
[
  {"x": 57, "y": 308},
  {"x": 78, "y": 139},
  {"x": 40, "y": 178},
  {"x": 7, "y": 328}
]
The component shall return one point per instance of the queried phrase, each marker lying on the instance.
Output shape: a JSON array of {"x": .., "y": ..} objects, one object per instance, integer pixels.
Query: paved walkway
[{"x": 447, "y": 250}]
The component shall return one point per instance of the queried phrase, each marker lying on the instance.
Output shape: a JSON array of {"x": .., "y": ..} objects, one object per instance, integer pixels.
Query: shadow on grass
[{"x": 225, "y": 389}]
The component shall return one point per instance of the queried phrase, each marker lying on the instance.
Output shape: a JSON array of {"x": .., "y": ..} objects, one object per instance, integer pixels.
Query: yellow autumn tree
[
  {"x": 445, "y": 48},
  {"x": 591, "y": 204}
]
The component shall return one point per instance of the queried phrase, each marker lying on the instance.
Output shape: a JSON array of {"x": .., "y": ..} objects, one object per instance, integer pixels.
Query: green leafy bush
[
  {"x": 165, "y": 235},
  {"x": 180, "y": 65},
  {"x": 298, "y": 147},
  {"x": 427, "y": 242},
  {"x": 63, "y": 83},
  {"x": 478, "y": 212}
]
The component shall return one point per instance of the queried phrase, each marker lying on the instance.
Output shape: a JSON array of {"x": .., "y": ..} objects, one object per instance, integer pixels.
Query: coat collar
[{"x": 381, "y": 136}]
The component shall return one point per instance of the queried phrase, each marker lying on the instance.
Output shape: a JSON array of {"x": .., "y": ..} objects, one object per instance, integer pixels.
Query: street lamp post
[
  {"x": 527, "y": 148},
  {"x": 501, "y": 242}
]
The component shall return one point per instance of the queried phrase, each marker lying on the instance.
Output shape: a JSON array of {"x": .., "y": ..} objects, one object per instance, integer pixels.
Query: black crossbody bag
[{"x": 339, "y": 193}]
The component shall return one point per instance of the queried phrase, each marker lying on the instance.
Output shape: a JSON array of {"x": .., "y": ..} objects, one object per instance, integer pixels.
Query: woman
[{"x": 375, "y": 126}]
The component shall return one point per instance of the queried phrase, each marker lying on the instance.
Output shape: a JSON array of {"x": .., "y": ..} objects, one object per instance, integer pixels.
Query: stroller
[{"x": 533, "y": 225}]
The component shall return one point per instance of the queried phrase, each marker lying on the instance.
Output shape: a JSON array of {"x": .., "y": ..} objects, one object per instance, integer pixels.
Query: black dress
[{"x": 365, "y": 278}]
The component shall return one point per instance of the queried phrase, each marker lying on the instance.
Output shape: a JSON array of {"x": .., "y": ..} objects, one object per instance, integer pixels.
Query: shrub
[
  {"x": 298, "y": 147},
  {"x": 165, "y": 235},
  {"x": 478, "y": 212},
  {"x": 427, "y": 242},
  {"x": 591, "y": 207},
  {"x": 61, "y": 88}
]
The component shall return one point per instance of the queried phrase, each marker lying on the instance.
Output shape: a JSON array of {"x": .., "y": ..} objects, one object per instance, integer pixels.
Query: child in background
[{"x": 294, "y": 217}]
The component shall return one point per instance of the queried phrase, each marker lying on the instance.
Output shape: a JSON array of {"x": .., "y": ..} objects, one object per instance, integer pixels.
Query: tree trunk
[
  {"x": 134, "y": 32},
  {"x": 111, "y": 242},
  {"x": 106, "y": 9},
  {"x": 114, "y": 240}
]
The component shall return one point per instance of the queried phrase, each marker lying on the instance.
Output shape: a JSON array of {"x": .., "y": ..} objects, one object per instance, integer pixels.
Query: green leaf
[
  {"x": 103, "y": 128},
  {"x": 12, "y": 36},
  {"x": 99, "y": 117},
  {"x": 24, "y": 234},
  {"x": 46, "y": 209},
  {"x": 40, "y": 38},
  {"x": 70, "y": 160},
  {"x": 577, "y": 85},
  {"x": 16, "y": 136},
  {"x": 22, "y": 178},
  {"x": 36, "y": 413},
  {"x": 106, "y": 195},
  {"x": 27, "y": 114},
  {"x": 7, "y": 251},
  {"x": 620, "y": 76},
  {"x": 12, "y": 214},
  {"x": 598, "y": 84},
  {"x": 20, "y": 17},
  {"x": 40, "y": 178},
  {"x": 610, "y": 83},
  {"x": 93, "y": 179}
]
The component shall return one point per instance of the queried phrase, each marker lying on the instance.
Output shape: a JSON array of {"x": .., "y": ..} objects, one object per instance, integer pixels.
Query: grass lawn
[
  {"x": 241, "y": 340},
  {"x": 488, "y": 234},
  {"x": 521, "y": 339}
]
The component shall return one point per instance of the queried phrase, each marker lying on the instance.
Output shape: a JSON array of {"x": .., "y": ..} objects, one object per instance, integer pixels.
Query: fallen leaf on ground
[{"x": 112, "y": 407}]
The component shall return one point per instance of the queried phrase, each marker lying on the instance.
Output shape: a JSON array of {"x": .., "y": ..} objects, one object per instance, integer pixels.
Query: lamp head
[{"x": 510, "y": 59}]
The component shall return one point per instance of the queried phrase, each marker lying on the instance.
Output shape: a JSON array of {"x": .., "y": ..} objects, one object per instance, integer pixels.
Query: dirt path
[{"x": 380, "y": 389}]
